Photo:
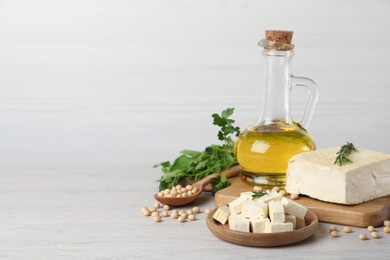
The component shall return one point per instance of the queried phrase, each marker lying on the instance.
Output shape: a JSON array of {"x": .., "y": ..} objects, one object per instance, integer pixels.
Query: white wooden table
[
  {"x": 94, "y": 213},
  {"x": 103, "y": 83}
]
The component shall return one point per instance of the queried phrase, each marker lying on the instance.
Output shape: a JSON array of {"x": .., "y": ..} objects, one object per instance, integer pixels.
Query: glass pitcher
[{"x": 265, "y": 147}]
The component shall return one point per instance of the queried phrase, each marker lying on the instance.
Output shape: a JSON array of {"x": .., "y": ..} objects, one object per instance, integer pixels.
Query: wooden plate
[
  {"x": 369, "y": 213},
  {"x": 263, "y": 239}
]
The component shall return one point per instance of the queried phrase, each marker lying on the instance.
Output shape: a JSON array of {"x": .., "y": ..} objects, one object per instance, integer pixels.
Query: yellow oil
[{"x": 263, "y": 151}]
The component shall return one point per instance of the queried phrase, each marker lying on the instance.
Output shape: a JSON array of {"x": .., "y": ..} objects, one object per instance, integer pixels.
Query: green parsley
[
  {"x": 219, "y": 182},
  {"x": 214, "y": 158}
]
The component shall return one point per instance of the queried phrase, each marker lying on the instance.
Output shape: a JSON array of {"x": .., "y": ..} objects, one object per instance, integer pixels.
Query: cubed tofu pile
[{"x": 270, "y": 213}]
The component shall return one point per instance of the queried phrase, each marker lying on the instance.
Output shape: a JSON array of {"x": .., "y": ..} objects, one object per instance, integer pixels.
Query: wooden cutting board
[{"x": 362, "y": 215}]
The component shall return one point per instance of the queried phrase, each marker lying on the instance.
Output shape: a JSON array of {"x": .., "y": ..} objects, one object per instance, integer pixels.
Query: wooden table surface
[{"x": 94, "y": 213}]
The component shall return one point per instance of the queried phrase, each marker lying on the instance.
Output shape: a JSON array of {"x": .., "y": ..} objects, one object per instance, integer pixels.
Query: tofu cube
[
  {"x": 253, "y": 209},
  {"x": 265, "y": 210},
  {"x": 270, "y": 197},
  {"x": 222, "y": 214},
  {"x": 292, "y": 219},
  {"x": 276, "y": 212},
  {"x": 236, "y": 205},
  {"x": 247, "y": 195},
  {"x": 293, "y": 208},
  {"x": 239, "y": 223},
  {"x": 278, "y": 227},
  {"x": 258, "y": 224}
]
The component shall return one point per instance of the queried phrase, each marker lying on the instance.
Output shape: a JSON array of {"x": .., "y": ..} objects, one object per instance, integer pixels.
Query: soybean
[
  {"x": 374, "y": 235},
  {"x": 370, "y": 228},
  {"x": 192, "y": 217},
  {"x": 347, "y": 229},
  {"x": 164, "y": 213},
  {"x": 363, "y": 237},
  {"x": 334, "y": 233},
  {"x": 332, "y": 228},
  {"x": 283, "y": 192},
  {"x": 174, "y": 214},
  {"x": 257, "y": 188},
  {"x": 157, "y": 218},
  {"x": 181, "y": 219}
]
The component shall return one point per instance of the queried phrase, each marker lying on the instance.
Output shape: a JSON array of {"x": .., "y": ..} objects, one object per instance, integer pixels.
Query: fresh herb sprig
[
  {"x": 342, "y": 154},
  {"x": 214, "y": 158},
  {"x": 258, "y": 194},
  {"x": 219, "y": 182}
]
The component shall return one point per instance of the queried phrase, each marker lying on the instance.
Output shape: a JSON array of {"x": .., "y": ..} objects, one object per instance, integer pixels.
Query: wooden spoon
[{"x": 231, "y": 172}]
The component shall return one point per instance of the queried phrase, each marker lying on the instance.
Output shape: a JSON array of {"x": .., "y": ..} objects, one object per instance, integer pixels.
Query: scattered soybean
[
  {"x": 363, "y": 237},
  {"x": 370, "y": 229},
  {"x": 347, "y": 229}
]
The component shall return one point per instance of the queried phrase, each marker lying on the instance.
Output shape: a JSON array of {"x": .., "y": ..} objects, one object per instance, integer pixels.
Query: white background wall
[{"x": 119, "y": 82}]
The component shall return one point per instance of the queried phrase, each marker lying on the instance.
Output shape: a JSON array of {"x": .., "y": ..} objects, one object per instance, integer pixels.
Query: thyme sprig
[
  {"x": 258, "y": 194},
  {"x": 342, "y": 154}
]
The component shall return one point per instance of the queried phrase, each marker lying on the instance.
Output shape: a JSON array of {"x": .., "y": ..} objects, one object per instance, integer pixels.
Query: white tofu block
[
  {"x": 292, "y": 219},
  {"x": 258, "y": 224},
  {"x": 314, "y": 174},
  {"x": 236, "y": 205},
  {"x": 239, "y": 223},
  {"x": 255, "y": 209},
  {"x": 293, "y": 208},
  {"x": 265, "y": 210},
  {"x": 278, "y": 227},
  {"x": 270, "y": 197},
  {"x": 276, "y": 211},
  {"x": 300, "y": 223},
  {"x": 221, "y": 214},
  {"x": 247, "y": 195}
]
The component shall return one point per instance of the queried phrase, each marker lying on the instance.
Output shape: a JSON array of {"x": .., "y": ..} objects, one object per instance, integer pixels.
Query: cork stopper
[{"x": 277, "y": 40}]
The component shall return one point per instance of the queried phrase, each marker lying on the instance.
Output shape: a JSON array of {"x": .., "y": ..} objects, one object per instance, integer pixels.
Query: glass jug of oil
[{"x": 265, "y": 147}]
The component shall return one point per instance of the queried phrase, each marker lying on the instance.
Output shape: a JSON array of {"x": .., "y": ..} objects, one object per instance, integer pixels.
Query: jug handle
[{"x": 312, "y": 88}]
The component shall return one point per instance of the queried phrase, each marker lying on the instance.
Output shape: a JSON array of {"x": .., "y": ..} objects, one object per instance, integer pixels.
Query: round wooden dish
[{"x": 263, "y": 239}]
